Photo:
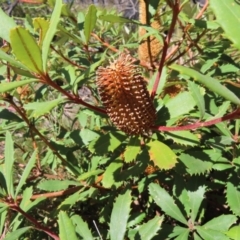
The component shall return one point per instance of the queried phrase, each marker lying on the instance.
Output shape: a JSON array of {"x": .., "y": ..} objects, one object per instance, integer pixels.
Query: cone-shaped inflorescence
[{"x": 124, "y": 94}]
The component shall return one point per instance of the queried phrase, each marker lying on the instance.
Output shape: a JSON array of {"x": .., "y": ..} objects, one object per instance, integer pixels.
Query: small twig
[{"x": 176, "y": 11}]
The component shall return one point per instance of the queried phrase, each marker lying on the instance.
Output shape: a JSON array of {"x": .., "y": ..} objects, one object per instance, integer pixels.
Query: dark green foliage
[{"x": 66, "y": 172}]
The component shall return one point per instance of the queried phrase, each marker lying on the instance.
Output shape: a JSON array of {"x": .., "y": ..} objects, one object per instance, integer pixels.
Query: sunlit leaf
[{"x": 90, "y": 21}]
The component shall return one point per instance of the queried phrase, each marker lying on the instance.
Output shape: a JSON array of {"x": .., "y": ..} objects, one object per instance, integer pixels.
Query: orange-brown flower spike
[{"x": 124, "y": 94}]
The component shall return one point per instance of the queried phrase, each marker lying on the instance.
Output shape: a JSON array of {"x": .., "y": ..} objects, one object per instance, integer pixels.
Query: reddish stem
[
  {"x": 176, "y": 11},
  {"x": 16, "y": 208},
  {"x": 233, "y": 115}
]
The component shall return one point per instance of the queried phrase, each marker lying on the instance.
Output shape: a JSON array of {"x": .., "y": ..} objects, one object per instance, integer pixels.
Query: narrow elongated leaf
[
  {"x": 221, "y": 223},
  {"x": 227, "y": 14},
  {"x": 233, "y": 198},
  {"x": 82, "y": 228},
  {"x": 89, "y": 174},
  {"x": 9, "y": 59},
  {"x": 7, "y": 23},
  {"x": 90, "y": 21},
  {"x": 5, "y": 87},
  {"x": 161, "y": 155},
  {"x": 41, "y": 108},
  {"x": 51, "y": 32},
  {"x": 195, "y": 200},
  {"x": 16, "y": 234},
  {"x": 198, "y": 96},
  {"x": 119, "y": 216},
  {"x": 66, "y": 227},
  {"x": 148, "y": 230},
  {"x": 213, "y": 84},
  {"x": 56, "y": 185},
  {"x": 8, "y": 163},
  {"x": 26, "y": 50},
  {"x": 166, "y": 202},
  {"x": 26, "y": 172}
]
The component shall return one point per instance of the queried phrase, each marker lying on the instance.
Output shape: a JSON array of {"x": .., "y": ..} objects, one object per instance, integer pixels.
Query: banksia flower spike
[{"x": 124, "y": 94}]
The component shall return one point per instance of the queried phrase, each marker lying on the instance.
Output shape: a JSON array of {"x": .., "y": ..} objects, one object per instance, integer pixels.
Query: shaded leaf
[{"x": 183, "y": 137}]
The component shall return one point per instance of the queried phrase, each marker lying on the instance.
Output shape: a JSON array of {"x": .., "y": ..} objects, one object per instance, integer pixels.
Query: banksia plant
[{"x": 125, "y": 96}]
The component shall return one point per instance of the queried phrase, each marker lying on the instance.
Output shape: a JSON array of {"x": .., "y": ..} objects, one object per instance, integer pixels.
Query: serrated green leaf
[
  {"x": 8, "y": 163},
  {"x": 109, "y": 177},
  {"x": 179, "y": 233},
  {"x": 106, "y": 143},
  {"x": 89, "y": 174},
  {"x": 66, "y": 227},
  {"x": 161, "y": 155},
  {"x": 181, "y": 104},
  {"x": 194, "y": 165},
  {"x": 16, "y": 234},
  {"x": 82, "y": 228},
  {"x": 211, "y": 83},
  {"x": 149, "y": 229},
  {"x": 198, "y": 97},
  {"x": 184, "y": 235},
  {"x": 195, "y": 200},
  {"x": 166, "y": 202},
  {"x": 5, "y": 87},
  {"x": 132, "y": 150},
  {"x": 183, "y": 137},
  {"x": 55, "y": 185},
  {"x": 119, "y": 216},
  {"x": 211, "y": 234},
  {"x": 114, "y": 19},
  {"x": 135, "y": 219},
  {"x": 233, "y": 198},
  {"x": 7, "y": 23},
  {"x": 26, "y": 50},
  {"x": 90, "y": 21},
  {"x": 234, "y": 233},
  {"x": 26, "y": 173},
  {"x": 55, "y": 18},
  {"x": 41, "y": 108},
  {"x": 227, "y": 14},
  {"x": 221, "y": 223}
]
